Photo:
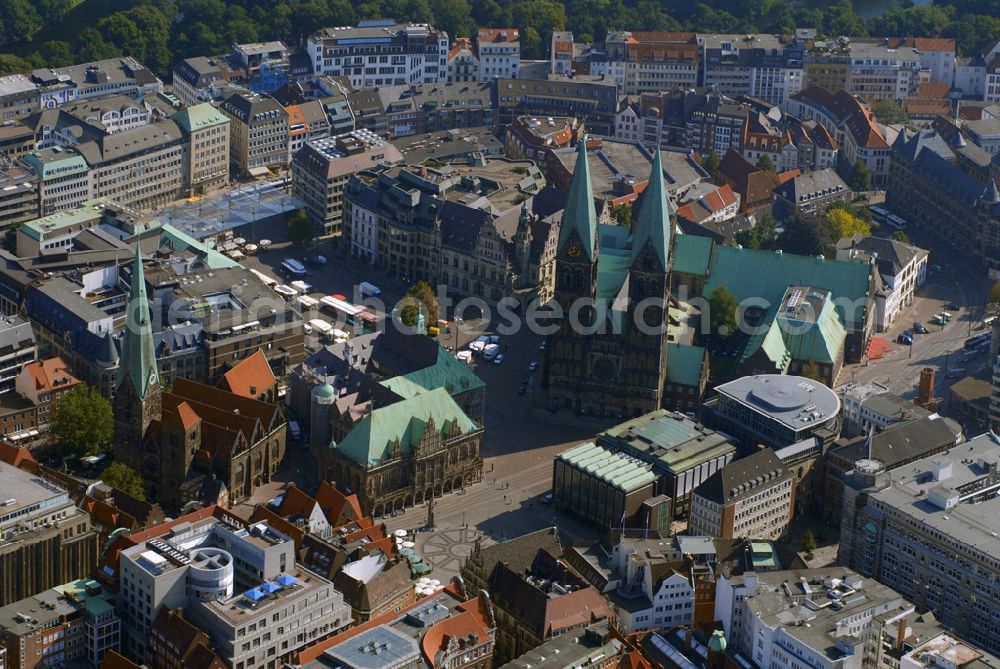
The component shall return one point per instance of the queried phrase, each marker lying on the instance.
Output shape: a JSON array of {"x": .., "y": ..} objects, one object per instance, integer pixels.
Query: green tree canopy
[
  {"x": 765, "y": 163},
  {"x": 712, "y": 164},
  {"x": 808, "y": 544},
  {"x": 995, "y": 294},
  {"x": 301, "y": 230},
  {"x": 843, "y": 224},
  {"x": 722, "y": 307},
  {"x": 861, "y": 177},
  {"x": 900, "y": 236},
  {"x": 83, "y": 423},
  {"x": 805, "y": 234},
  {"x": 124, "y": 478},
  {"x": 424, "y": 293},
  {"x": 889, "y": 112}
]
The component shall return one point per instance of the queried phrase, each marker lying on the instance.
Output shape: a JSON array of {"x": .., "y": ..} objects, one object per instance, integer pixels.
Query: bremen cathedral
[{"x": 609, "y": 355}]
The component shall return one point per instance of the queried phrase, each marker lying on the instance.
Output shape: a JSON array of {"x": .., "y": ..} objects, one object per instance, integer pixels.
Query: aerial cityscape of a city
[{"x": 499, "y": 334}]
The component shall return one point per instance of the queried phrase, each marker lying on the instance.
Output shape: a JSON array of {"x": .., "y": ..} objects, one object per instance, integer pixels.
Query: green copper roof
[
  {"x": 618, "y": 470},
  {"x": 653, "y": 224},
  {"x": 448, "y": 372},
  {"x": 324, "y": 390},
  {"x": 786, "y": 339},
  {"x": 749, "y": 273},
  {"x": 199, "y": 117},
  {"x": 138, "y": 360},
  {"x": 72, "y": 163},
  {"x": 684, "y": 364},
  {"x": 580, "y": 214},
  {"x": 692, "y": 254},
  {"x": 172, "y": 239},
  {"x": 372, "y": 440},
  {"x": 614, "y": 261}
]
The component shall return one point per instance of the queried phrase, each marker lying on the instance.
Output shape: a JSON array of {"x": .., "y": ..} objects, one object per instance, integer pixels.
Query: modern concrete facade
[
  {"x": 926, "y": 530},
  {"x": 237, "y": 582},
  {"x": 45, "y": 539}
]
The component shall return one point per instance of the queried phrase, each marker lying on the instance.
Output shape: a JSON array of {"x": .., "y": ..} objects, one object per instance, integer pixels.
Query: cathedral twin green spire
[
  {"x": 653, "y": 224},
  {"x": 579, "y": 214},
  {"x": 138, "y": 359}
]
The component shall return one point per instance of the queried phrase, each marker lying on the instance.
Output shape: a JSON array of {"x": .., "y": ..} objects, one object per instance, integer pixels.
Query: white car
[
  {"x": 541, "y": 347},
  {"x": 532, "y": 366},
  {"x": 499, "y": 359}
]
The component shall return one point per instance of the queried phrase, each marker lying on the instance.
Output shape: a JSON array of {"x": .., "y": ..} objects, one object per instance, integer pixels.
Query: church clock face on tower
[{"x": 574, "y": 251}]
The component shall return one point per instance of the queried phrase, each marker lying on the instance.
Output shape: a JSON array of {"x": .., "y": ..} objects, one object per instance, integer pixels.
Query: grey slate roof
[
  {"x": 812, "y": 184},
  {"x": 901, "y": 443},
  {"x": 893, "y": 255},
  {"x": 743, "y": 477}
]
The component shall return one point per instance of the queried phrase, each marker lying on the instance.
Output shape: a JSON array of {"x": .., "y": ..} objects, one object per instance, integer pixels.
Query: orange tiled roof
[
  {"x": 471, "y": 620},
  {"x": 493, "y": 35},
  {"x": 934, "y": 44},
  {"x": 933, "y": 89},
  {"x": 337, "y": 506},
  {"x": 49, "y": 374},
  {"x": 16, "y": 456},
  {"x": 720, "y": 198},
  {"x": 250, "y": 378}
]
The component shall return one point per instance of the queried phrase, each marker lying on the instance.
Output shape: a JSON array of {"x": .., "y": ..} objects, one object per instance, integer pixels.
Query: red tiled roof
[
  {"x": 933, "y": 89},
  {"x": 934, "y": 44},
  {"x": 337, "y": 506},
  {"x": 251, "y": 378},
  {"x": 788, "y": 176},
  {"x": 115, "y": 661},
  {"x": 16, "y": 456},
  {"x": 720, "y": 198},
  {"x": 575, "y": 608},
  {"x": 49, "y": 374},
  {"x": 472, "y": 620},
  {"x": 493, "y": 35},
  {"x": 849, "y": 111}
]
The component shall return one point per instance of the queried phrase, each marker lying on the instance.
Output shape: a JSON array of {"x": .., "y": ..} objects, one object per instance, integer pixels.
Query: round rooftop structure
[
  {"x": 717, "y": 643},
  {"x": 782, "y": 393},
  {"x": 869, "y": 466},
  {"x": 324, "y": 390}
]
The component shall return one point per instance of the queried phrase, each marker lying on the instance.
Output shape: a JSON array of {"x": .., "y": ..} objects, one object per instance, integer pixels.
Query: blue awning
[
  {"x": 270, "y": 586},
  {"x": 287, "y": 580},
  {"x": 254, "y": 595}
]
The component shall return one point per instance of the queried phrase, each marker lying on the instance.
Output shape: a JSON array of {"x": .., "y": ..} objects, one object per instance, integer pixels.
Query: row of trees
[{"x": 160, "y": 32}]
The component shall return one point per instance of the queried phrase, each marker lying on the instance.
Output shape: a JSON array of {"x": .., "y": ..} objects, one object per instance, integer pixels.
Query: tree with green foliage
[
  {"x": 83, "y": 423},
  {"x": 711, "y": 164},
  {"x": 889, "y": 112},
  {"x": 808, "y": 544},
  {"x": 622, "y": 215},
  {"x": 761, "y": 235},
  {"x": 994, "y": 298},
  {"x": 55, "y": 53},
  {"x": 806, "y": 235},
  {"x": 11, "y": 64},
  {"x": 722, "y": 308},
  {"x": 765, "y": 163},
  {"x": 423, "y": 293},
  {"x": 301, "y": 230},
  {"x": 900, "y": 236},
  {"x": 124, "y": 478},
  {"x": 861, "y": 177},
  {"x": 18, "y": 20}
]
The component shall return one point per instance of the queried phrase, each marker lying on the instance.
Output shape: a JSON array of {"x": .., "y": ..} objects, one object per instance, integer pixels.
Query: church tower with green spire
[
  {"x": 608, "y": 357},
  {"x": 138, "y": 399}
]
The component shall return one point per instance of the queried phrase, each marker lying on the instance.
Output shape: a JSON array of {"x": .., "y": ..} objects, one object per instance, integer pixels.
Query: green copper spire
[
  {"x": 138, "y": 360},
  {"x": 580, "y": 214},
  {"x": 653, "y": 224}
]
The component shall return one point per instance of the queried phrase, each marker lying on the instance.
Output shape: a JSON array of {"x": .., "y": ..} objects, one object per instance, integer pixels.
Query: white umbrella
[
  {"x": 435, "y": 583},
  {"x": 423, "y": 580},
  {"x": 239, "y": 241},
  {"x": 400, "y": 533},
  {"x": 250, "y": 248},
  {"x": 264, "y": 243},
  {"x": 408, "y": 544}
]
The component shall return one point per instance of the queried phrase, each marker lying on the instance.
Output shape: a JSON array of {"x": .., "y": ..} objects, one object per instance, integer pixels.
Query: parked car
[
  {"x": 541, "y": 347},
  {"x": 499, "y": 359},
  {"x": 919, "y": 328},
  {"x": 953, "y": 306},
  {"x": 905, "y": 338},
  {"x": 532, "y": 366},
  {"x": 522, "y": 389}
]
